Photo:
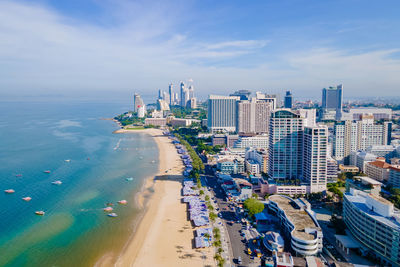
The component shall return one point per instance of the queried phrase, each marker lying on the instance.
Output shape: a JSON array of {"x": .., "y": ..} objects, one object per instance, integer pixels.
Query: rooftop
[
  {"x": 299, "y": 218},
  {"x": 380, "y": 164},
  {"x": 360, "y": 202}
]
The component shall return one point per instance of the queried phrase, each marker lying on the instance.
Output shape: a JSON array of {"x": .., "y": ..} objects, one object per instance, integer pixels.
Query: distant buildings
[
  {"x": 332, "y": 102},
  {"x": 242, "y": 94},
  {"x": 288, "y": 100},
  {"x": 258, "y": 141},
  {"x": 377, "y": 113},
  {"x": 394, "y": 176}
]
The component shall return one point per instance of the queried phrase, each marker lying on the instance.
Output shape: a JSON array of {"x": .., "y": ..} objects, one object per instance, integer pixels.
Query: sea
[{"x": 76, "y": 144}]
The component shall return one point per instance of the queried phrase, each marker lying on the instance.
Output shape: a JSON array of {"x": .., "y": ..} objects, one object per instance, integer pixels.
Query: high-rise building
[
  {"x": 288, "y": 100},
  {"x": 349, "y": 136},
  {"x": 171, "y": 94},
  {"x": 315, "y": 155},
  {"x": 185, "y": 94},
  {"x": 192, "y": 103},
  {"x": 137, "y": 102},
  {"x": 253, "y": 116},
  {"x": 332, "y": 103},
  {"x": 285, "y": 144},
  {"x": 222, "y": 113},
  {"x": 243, "y": 94}
]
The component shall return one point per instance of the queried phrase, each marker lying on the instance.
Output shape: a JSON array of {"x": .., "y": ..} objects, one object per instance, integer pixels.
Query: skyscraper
[
  {"x": 288, "y": 100},
  {"x": 253, "y": 116},
  {"x": 222, "y": 113},
  {"x": 171, "y": 94},
  {"x": 332, "y": 99},
  {"x": 315, "y": 147},
  {"x": 137, "y": 102},
  {"x": 184, "y": 94},
  {"x": 285, "y": 145}
]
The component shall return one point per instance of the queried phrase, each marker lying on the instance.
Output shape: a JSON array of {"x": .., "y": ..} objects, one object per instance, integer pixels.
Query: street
[{"x": 238, "y": 246}]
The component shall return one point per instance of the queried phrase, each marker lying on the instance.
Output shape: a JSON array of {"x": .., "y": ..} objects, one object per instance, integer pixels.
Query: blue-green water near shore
[{"x": 75, "y": 231}]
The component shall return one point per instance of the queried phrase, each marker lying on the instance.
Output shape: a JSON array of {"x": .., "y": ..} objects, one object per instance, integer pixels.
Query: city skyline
[{"x": 85, "y": 48}]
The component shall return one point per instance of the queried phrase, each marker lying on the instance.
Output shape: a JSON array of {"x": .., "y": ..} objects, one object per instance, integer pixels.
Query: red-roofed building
[
  {"x": 378, "y": 170},
  {"x": 394, "y": 176}
]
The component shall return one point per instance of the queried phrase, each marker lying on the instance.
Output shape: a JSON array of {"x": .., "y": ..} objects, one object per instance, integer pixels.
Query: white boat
[
  {"x": 122, "y": 202},
  {"x": 129, "y": 179},
  {"x": 40, "y": 212},
  {"x": 67, "y": 160},
  {"x": 112, "y": 215},
  {"x": 58, "y": 182},
  {"x": 26, "y": 199},
  {"x": 47, "y": 171},
  {"x": 9, "y": 191},
  {"x": 108, "y": 209}
]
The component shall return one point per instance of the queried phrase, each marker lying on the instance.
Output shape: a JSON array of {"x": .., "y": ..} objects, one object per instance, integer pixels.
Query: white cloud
[{"x": 42, "y": 51}]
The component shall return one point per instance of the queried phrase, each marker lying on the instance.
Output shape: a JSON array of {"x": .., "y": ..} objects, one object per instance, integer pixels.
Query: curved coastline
[{"x": 162, "y": 235}]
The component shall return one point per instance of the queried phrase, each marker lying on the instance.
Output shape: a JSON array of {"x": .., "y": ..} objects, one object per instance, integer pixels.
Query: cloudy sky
[{"x": 105, "y": 47}]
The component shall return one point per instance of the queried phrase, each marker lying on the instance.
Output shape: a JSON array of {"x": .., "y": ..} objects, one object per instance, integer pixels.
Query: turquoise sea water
[{"x": 75, "y": 231}]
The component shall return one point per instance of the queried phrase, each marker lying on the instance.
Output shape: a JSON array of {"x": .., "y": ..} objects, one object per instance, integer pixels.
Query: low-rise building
[
  {"x": 260, "y": 156},
  {"x": 258, "y": 141},
  {"x": 348, "y": 168},
  {"x": 231, "y": 165},
  {"x": 155, "y": 121},
  {"x": 252, "y": 167},
  {"x": 378, "y": 170},
  {"x": 375, "y": 223},
  {"x": 182, "y": 122},
  {"x": 365, "y": 184},
  {"x": 361, "y": 158},
  {"x": 298, "y": 224}
]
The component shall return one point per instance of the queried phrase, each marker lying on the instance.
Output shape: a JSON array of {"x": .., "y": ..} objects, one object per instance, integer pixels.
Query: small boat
[
  {"x": 26, "y": 199},
  {"x": 40, "y": 212},
  {"x": 122, "y": 202},
  {"x": 129, "y": 179},
  {"x": 88, "y": 158},
  {"x": 18, "y": 175},
  {"x": 58, "y": 182},
  {"x": 153, "y": 161},
  {"x": 108, "y": 209},
  {"x": 110, "y": 204},
  {"x": 9, "y": 191},
  {"x": 112, "y": 215},
  {"x": 47, "y": 171},
  {"x": 67, "y": 160}
]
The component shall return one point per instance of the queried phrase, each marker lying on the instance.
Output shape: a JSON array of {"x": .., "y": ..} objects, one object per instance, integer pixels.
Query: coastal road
[{"x": 237, "y": 246}]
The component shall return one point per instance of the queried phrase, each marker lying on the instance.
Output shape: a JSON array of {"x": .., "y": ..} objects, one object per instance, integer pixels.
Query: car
[{"x": 239, "y": 260}]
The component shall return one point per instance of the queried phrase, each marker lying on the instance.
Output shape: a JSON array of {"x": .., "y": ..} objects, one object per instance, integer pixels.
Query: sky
[{"x": 109, "y": 48}]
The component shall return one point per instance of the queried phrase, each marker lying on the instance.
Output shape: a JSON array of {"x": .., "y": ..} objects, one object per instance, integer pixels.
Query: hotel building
[{"x": 222, "y": 113}]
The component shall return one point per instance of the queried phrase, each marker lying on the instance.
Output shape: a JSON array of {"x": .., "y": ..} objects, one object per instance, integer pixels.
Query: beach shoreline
[{"x": 162, "y": 235}]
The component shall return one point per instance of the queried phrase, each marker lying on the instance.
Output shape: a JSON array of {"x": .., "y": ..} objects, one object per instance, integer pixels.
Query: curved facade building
[
  {"x": 373, "y": 221},
  {"x": 298, "y": 224}
]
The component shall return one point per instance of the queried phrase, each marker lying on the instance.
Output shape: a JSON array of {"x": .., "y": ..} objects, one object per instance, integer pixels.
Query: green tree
[{"x": 253, "y": 206}]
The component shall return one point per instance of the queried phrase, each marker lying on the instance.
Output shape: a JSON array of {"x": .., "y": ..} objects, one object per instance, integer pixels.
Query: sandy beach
[{"x": 164, "y": 236}]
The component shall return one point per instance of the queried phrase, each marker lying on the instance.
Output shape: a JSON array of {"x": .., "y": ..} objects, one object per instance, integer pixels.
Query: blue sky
[{"x": 117, "y": 47}]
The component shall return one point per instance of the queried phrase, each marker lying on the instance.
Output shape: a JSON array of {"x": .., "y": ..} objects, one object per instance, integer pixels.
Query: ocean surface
[{"x": 75, "y": 231}]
